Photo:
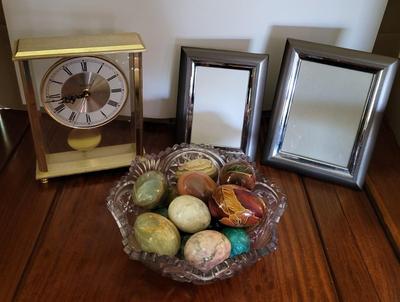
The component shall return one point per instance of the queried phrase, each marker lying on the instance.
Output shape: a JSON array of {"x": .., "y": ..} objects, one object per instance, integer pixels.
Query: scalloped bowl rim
[{"x": 220, "y": 271}]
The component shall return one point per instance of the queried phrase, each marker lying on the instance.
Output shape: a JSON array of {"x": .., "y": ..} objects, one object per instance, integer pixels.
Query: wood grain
[
  {"x": 383, "y": 183},
  {"x": 362, "y": 261},
  {"x": 13, "y": 125},
  {"x": 23, "y": 209},
  {"x": 81, "y": 256},
  {"x": 59, "y": 243}
]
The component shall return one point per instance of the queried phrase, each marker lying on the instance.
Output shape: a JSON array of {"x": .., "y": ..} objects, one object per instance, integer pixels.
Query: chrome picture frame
[
  {"x": 383, "y": 70},
  {"x": 256, "y": 64}
]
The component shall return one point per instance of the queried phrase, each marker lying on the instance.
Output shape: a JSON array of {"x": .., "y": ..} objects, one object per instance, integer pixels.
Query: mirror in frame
[
  {"x": 327, "y": 110},
  {"x": 220, "y": 98}
]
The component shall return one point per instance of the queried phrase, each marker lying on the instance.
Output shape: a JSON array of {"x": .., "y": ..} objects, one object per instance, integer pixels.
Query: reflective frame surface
[
  {"x": 255, "y": 64},
  {"x": 381, "y": 68}
]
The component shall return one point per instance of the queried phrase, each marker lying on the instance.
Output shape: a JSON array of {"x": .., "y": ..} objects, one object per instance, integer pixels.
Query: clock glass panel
[{"x": 84, "y": 92}]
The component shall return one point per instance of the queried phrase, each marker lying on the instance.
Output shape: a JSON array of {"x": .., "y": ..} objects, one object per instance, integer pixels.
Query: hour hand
[{"x": 66, "y": 99}]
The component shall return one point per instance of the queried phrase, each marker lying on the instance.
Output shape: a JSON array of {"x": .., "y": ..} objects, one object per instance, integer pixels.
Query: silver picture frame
[
  {"x": 298, "y": 55},
  {"x": 252, "y": 66}
]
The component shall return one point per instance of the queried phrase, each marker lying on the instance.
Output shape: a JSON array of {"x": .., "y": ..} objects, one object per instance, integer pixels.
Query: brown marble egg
[
  {"x": 196, "y": 184},
  {"x": 236, "y": 206},
  {"x": 238, "y": 172},
  {"x": 198, "y": 165},
  {"x": 206, "y": 249}
]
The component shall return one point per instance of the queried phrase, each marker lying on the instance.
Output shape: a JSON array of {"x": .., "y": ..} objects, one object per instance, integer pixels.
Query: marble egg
[
  {"x": 239, "y": 239},
  {"x": 196, "y": 184},
  {"x": 149, "y": 189},
  {"x": 198, "y": 165},
  {"x": 206, "y": 249},
  {"x": 236, "y": 206},
  {"x": 156, "y": 234},
  {"x": 189, "y": 214},
  {"x": 239, "y": 173}
]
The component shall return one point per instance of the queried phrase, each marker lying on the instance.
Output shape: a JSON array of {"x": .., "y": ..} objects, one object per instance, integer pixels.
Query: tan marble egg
[
  {"x": 189, "y": 214},
  {"x": 198, "y": 165},
  {"x": 156, "y": 234},
  {"x": 206, "y": 249}
]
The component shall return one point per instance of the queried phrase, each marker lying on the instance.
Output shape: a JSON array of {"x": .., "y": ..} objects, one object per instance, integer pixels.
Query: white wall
[{"x": 165, "y": 25}]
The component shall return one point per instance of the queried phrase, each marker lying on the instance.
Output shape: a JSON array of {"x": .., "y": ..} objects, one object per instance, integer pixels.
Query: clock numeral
[
  {"x": 116, "y": 90},
  {"x": 65, "y": 68},
  {"x": 72, "y": 116},
  {"x": 54, "y": 96},
  {"x": 84, "y": 66},
  {"x": 112, "y": 77},
  {"x": 113, "y": 103},
  {"x": 88, "y": 119},
  {"x": 103, "y": 114},
  {"x": 59, "y": 108},
  {"x": 54, "y": 81},
  {"x": 101, "y": 66}
]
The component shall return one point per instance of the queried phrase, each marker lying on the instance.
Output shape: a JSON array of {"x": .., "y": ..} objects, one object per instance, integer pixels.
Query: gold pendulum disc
[{"x": 84, "y": 139}]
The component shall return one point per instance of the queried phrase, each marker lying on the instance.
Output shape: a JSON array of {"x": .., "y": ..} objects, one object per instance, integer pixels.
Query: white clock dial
[{"x": 84, "y": 92}]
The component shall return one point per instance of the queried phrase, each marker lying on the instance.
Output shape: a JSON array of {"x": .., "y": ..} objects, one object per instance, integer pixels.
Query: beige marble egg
[
  {"x": 206, "y": 249},
  {"x": 189, "y": 214}
]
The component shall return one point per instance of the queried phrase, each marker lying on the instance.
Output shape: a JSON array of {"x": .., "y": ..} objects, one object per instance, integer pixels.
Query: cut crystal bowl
[{"x": 263, "y": 237}]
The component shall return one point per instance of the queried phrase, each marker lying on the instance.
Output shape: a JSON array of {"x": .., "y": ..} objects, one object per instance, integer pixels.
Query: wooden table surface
[{"x": 58, "y": 242}]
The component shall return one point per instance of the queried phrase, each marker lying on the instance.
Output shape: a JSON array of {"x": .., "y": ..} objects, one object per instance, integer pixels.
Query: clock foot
[{"x": 44, "y": 180}]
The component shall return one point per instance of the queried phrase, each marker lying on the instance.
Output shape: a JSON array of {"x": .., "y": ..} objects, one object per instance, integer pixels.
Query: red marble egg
[
  {"x": 238, "y": 172},
  {"x": 196, "y": 184},
  {"x": 236, "y": 206}
]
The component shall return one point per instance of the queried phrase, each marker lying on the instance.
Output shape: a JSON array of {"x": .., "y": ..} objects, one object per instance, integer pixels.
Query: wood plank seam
[
  {"x": 321, "y": 238},
  {"x": 378, "y": 213},
  {"x": 13, "y": 150},
  {"x": 38, "y": 243},
  {"x": 357, "y": 245}
]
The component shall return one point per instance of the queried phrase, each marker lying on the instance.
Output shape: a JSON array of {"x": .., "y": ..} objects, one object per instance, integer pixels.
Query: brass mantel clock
[{"x": 87, "y": 113}]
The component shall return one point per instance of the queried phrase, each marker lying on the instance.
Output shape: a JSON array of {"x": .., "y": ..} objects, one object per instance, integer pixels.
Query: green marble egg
[
  {"x": 149, "y": 189},
  {"x": 156, "y": 234},
  {"x": 239, "y": 239}
]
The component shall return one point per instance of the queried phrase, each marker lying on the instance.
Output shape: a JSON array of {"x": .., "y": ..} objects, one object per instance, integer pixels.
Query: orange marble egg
[{"x": 196, "y": 184}]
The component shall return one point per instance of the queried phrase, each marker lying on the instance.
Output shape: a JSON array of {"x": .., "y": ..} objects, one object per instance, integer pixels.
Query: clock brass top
[{"x": 40, "y": 48}]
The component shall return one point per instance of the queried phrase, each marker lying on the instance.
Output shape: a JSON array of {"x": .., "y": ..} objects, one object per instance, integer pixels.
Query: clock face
[{"x": 84, "y": 92}]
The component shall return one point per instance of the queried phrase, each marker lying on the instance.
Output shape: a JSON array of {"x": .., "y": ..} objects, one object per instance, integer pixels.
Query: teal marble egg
[
  {"x": 149, "y": 189},
  {"x": 239, "y": 239}
]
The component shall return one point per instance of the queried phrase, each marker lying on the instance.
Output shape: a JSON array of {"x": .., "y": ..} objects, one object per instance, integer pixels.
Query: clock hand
[
  {"x": 68, "y": 99},
  {"x": 81, "y": 108}
]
